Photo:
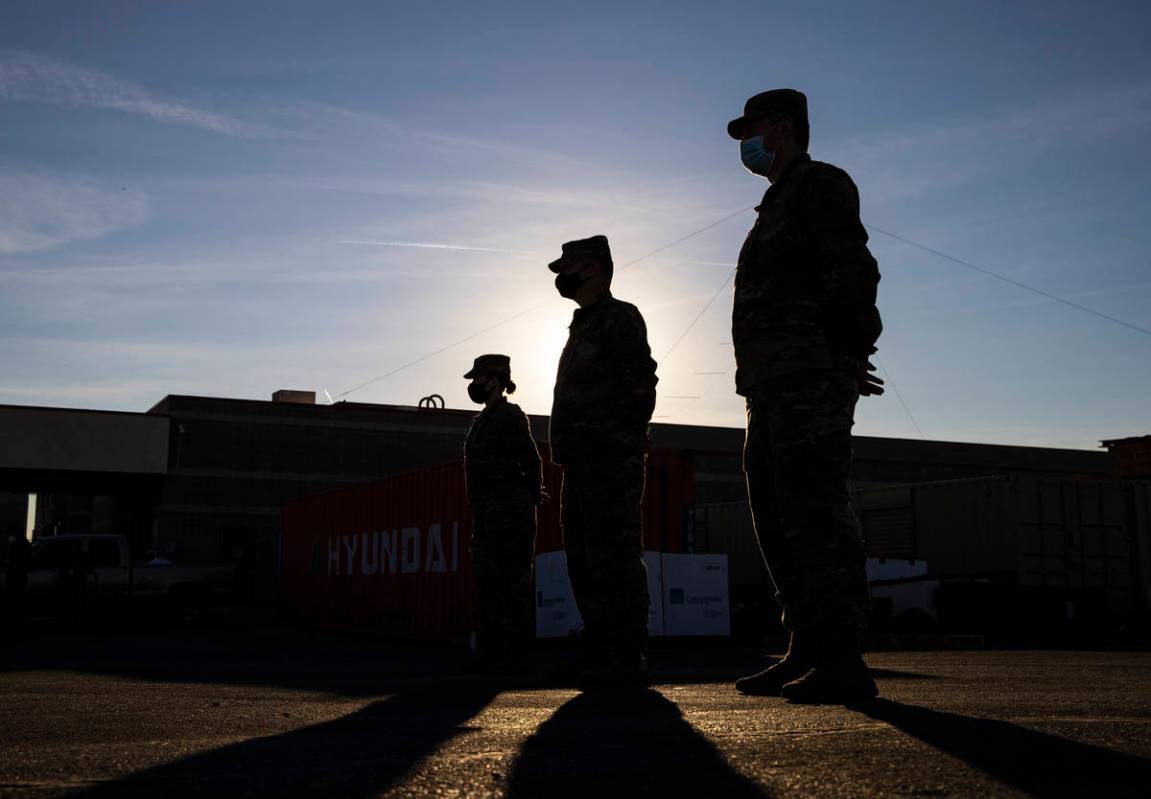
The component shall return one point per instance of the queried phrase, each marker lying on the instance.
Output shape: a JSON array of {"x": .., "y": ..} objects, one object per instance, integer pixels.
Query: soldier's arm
[
  {"x": 635, "y": 368},
  {"x": 848, "y": 274},
  {"x": 516, "y": 434},
  {"x": 528, "y": 457}
]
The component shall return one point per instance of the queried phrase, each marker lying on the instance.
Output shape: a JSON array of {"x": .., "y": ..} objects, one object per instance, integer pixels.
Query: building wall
[
  {"x": 233, "y": 463},
  {"x": 65, "y": 439},
  {"x": 200, "y": 478}
]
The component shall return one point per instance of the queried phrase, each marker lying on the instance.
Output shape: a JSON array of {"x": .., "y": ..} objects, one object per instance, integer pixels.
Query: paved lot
[{"x": 234, "y": 715}]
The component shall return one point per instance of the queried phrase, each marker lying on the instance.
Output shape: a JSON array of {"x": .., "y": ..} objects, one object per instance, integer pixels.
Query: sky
[{"x": 226, "y": 199}]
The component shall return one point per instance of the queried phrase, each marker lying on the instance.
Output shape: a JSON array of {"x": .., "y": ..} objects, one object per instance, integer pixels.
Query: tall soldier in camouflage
[
  {"x": 502, "y": 472},
  {"x": 804, "y": 323},
  {"x": 604, "y": 398}
]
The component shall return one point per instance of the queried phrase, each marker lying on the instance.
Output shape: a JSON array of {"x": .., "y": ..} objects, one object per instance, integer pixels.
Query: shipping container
[
  {"x": 1130, "y": 457},
  {"x": 1141, "y": 521},
  {"x": 1008, "y": 556},
  {"x": 726, "y": 528},
  {"x": 1082, "y": 540},
  {"x": 392, "y": 557}
]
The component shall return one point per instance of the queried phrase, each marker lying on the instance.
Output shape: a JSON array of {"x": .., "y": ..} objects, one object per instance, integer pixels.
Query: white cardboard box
[
  {"x": 695, "y": 595},
  {"x": 556, "y": 613},
  {"x": 689, "y": 595}
]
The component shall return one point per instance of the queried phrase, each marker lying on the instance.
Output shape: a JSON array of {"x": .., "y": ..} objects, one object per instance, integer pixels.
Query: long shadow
[
  {"x": 328, "y": 663},
  {"x": 358, "y": 755},
  {"x": 634, "y": 742},
  {"x": 1034, "y": 762}
]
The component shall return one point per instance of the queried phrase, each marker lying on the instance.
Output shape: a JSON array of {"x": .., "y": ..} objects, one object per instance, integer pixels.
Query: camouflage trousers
[
  {"x": 503, "y": 556},
  {"x": 797, "y": 457},
  {"x": 603, "y": 544}
]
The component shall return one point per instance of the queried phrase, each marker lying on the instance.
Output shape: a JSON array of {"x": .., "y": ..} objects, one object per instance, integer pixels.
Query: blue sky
[{"x": 220, "y": 198}]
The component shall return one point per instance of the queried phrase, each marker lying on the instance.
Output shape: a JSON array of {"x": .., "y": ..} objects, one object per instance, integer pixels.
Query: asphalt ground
[{"x": 277, "y": 713}]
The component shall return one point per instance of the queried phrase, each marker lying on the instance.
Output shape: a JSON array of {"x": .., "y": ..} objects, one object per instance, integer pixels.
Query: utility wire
[
  {"x": 732, "y": 215},
  {"x": 445, "y": 348},
  {"x": 527, "y": 311},
  {"x": 727, "y": 279},
  {"x": 892, "y": 386},
  {"x": 698, "y": 316},
  {"x": 1016, "y": 283}
]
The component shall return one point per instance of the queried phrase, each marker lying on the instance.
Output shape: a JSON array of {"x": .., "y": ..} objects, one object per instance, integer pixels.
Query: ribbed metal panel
[{"x": 392, "y": 556}]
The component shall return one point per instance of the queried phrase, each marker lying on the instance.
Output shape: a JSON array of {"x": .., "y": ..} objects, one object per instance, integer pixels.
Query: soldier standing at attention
[
  {"x": 804, "y": 323},
  {"x": 502, "y": 474},
  {"x": 604, "y": 398}
]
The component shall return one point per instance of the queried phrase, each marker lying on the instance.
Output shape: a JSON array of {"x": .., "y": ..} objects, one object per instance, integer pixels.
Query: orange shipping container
[{"x": 391, "y": 557}]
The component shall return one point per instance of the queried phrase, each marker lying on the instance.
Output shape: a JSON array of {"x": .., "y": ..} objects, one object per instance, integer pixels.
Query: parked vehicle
[{"x": 68, "y": 573}]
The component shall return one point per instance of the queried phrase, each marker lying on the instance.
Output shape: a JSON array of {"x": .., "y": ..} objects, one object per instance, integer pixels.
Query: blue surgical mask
[{"x": 755, "y": 156}]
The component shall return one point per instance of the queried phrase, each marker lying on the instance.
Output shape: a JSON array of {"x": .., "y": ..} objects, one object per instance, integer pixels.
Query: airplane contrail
[{"x": 431, "y": 245}]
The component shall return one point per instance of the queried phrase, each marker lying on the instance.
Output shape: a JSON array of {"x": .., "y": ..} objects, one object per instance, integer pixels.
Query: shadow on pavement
[
  {"x": 358, "y": 755},
  {"x": 295, "y": 660},
  {"x": 892, "y": 674},
  {"x": 1030, "y": 761},
  {"x": 623, "y": 742}
]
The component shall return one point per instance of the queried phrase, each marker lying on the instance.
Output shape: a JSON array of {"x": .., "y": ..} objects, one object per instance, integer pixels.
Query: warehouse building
[{"x": 204, "y": 479}]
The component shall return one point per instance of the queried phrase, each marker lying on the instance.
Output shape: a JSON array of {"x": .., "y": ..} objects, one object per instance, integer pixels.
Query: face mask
[
  {"x": 755, "y": 156},
  {"x": 568, "y": 285},
  {"x": 478, "y": 392}
]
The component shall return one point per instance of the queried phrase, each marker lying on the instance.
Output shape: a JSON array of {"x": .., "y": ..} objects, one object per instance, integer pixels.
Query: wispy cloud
[
  {"x": 83, "y": 280},
  {"x": 903, "y": 164},
  {"x": 40, "y": 212},
  {"x": 31, "y": 77},
  {"x": 328, "y": 120}
]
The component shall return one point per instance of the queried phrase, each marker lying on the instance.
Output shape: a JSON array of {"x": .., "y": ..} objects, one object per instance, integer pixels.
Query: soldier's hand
[{"x": 869, "y": 384}]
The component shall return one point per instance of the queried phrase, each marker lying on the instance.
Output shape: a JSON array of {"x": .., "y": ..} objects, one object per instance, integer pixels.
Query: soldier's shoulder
[
  {"x": 510, "y": 412},
  {"x": 823, "y": 173},
  {"x": 511, "y": 409},
  {"x": 622, "y": 309},
  {"x": 625, "y": 321}
]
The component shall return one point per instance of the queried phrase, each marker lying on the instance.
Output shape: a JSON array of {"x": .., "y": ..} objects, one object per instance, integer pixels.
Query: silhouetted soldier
[
  {"x": 502, "y": 470},
  {"x": 604, "y": 398},
  {"x": 803, "y": 325}
]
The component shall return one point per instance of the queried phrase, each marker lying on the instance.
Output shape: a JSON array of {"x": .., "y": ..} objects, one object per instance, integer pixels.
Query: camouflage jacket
[
  {"x": 501, "y": 462},
  {"x": 605, "y": 385},
  {"x": 806, "y": 283}
]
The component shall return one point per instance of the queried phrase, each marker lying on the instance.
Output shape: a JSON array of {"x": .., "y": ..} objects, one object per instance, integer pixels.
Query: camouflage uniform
[
  {"x": 502, "y": 471},
  {"x": 604, "y": 398},
  {"x": 804, "y": 319}
]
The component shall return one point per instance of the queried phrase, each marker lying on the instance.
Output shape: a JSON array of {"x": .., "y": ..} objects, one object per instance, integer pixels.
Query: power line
[
  {"x": 732, "y": 215},
  {"x": 1013, "y": 282},
  {"x": 727, "y": 279},
  {"x": 527, "y": 311},
  {"x": 443, "y": 349},
  {"x": 892, "y": 386},
  {"x": 699, "y": 315}
]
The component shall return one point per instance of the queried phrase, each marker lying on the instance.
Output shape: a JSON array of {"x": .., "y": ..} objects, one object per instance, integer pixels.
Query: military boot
[
  {"x": 622, "y": 670},
  {"x": 793, "y": 665},
  {"x": 591, "y": 654},
  {"x": 838, "y": 677}
]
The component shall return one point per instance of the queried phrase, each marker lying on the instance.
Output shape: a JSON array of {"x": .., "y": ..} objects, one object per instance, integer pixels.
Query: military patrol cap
[
  {"x": 490, "y": 365},
  {"x": 581, "y": 249},
  {"x": 777, "y": 101}
]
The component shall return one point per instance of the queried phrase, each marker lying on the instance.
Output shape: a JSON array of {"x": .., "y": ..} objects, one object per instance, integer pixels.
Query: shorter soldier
[{"x": 502, "y": 470}]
